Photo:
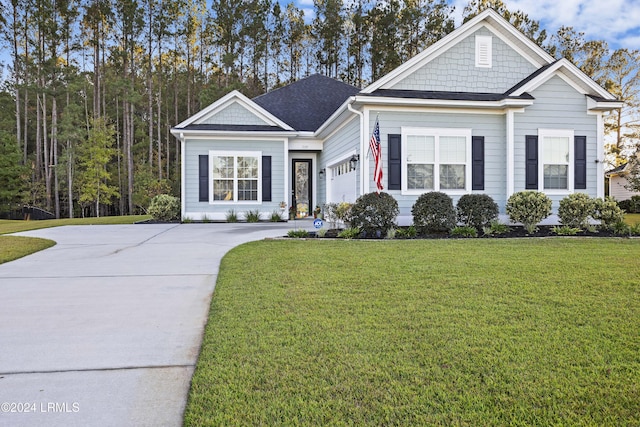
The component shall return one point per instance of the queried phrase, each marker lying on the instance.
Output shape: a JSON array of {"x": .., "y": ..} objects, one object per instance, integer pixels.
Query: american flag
[{"x": 374, "y": 146}]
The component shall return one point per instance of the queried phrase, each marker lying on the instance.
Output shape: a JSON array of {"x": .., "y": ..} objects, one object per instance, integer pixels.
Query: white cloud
[{"x": 615, "y": 21}]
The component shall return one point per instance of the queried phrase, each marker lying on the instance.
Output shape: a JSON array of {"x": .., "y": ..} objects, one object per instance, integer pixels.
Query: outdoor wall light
[
  {"x": 322, "y": 171},
  {"x": 353, "y": 161}
]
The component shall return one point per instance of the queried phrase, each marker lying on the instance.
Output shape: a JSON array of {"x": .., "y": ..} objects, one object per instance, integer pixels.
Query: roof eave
[
  {"x": 445, "y": 103},
  {"x": 593, "y": 105},
  {"x": 182, "y": 133}
]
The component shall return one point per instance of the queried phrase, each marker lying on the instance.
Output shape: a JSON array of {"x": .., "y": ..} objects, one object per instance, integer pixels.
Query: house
[
  {"x": 618, "y": 182},
  {"x": 483, "y": 110}
]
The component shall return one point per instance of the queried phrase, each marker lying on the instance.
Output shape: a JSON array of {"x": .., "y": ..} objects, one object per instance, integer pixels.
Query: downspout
[{"x": 362, "y": 159}]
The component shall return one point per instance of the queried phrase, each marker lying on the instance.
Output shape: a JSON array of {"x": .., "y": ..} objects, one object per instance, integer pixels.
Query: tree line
[{"x": 91, "y": 88}]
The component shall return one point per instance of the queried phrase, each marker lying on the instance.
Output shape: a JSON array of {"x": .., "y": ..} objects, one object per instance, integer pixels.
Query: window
[
  {"x": 436, "y": 159},
  {"x": 236, "y": 176},
  {"x": 556, "y": 153},
  {"x": 483, "y": 51}
]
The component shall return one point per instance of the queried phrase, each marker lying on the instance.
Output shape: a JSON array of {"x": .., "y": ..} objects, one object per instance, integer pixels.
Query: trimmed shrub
[
  {"x": 528, "y": 208},
  {"x": 575, "y": 210},
  {"x": 634, "y": 204},
  {"x": 433, "y": 212},
  {"x": 374, "y": 213},
  {"x": 164, "y": 207},
  {"x": 608, "y": 212},
  {"x": 477, "y": 210}
]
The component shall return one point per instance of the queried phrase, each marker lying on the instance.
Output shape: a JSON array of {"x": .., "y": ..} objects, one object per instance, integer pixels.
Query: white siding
[
  {"x": 617, "y": 189},
  {"x": 342, "y": 143}
]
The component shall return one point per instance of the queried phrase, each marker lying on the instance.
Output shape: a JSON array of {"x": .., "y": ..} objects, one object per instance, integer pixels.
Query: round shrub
[
  {"x": 374, "y": 213},
  {"x": 575, "y": 210},
  {"x": 164, "y": 207},
  {"x": 528, "y": 208},
  {"x": 433, "y": 213},
  {"x": 608, "y": 212},
  {"x": 477, "y": 210}
]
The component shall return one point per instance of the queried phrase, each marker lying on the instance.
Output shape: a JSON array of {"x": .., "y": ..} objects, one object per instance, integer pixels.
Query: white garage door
[{"x": 343, "y": 183}]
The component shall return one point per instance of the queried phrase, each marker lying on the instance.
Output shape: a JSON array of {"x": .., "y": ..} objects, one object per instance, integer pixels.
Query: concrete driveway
[{"x": 104, "y": 328}]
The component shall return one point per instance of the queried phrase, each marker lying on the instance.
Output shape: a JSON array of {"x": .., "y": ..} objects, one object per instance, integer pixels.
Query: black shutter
[
  {"x": 203, "y": 178},
  {"x": 395, "y": 162},
  {"x": 580, "y": 162},
  {"x": 477, "y": 162},
  {"x": 531, "y": 162},
  {"x": 266, "y": 178}
]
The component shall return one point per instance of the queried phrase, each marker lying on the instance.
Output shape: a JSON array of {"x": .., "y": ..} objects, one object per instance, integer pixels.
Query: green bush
[
  {"x": 566, "y": 230},
  {"x": 164, "y": 207},
  {"x": 374, "y": 213},
  {"x": 298, "y": 234},
  {"x": 528, "y": 208},
  {"x": 252, "y": 216},
  {"x": 231, "y": 216},
  {"x": 464, "y": 231},
  {"x": 275, "y": 216},
  {"x": 433, "y": 212},
  {"x": 406, "y": 233},
  {"x": 608, "y": 212},
  {"x": 349, "y": 233},
  {"x": 476, "y": 210},
  {"x": 634, "y": 204},
  {"x": 576, "y": 209},
  {"x": 495, "y": 227}
]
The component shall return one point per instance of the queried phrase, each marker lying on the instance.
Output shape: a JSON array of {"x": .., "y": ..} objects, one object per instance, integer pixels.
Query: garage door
[{"x": 343, "y": 183}]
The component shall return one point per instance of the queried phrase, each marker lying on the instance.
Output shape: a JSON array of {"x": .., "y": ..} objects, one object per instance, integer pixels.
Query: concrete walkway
[{"x": 104, "y": 328}]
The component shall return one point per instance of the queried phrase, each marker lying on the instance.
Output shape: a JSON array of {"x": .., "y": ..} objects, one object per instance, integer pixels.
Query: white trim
[
  {"x": 364, "y": 148},
  {"x": 235, "y": 154},
  {"x": 510, "y": 152},
  {"x": 450, "y": 103},
  {"x": 183, "y": 184},
  {"x": 484, "y": 51},
  {"x": 599, "y": 156},
  {"x": 593, "y": 105},
  {"x": 437, "y": 133},
  {"x": 286, "y": 195},
  {"x": 556, "y": 133}
]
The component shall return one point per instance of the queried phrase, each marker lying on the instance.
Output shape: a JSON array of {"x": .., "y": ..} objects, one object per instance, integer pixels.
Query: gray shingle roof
[
  {"x": 306, "y": 104},
  {"x": 453, "y": 96},
  {"x": 237, "y": 128}
]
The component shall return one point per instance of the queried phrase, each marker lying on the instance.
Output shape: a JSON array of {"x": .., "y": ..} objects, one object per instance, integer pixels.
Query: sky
[{"x": 615, "y": 21}]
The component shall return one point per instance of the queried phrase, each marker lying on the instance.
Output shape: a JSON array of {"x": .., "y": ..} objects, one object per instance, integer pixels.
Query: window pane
[
  {"x": 420, "y": 149},
  {"x": 556, "y": 150},
  {"x": 452, "y": 177},
  {"x": 556, "y": 177},
  {"x": 420, "y": 177},
  {"x": 453, "y": 149},
  {"x": 222, "y": 189},
  {"x": 247, "y": 167},
  {"x": 223, "y": 167},
  {"x": 247, "y": 189}
]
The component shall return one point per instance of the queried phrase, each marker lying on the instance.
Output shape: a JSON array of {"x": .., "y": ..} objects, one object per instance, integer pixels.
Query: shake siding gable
[
  {"x": 455, "y": 70},
  {"x": 234, "y": 114}
]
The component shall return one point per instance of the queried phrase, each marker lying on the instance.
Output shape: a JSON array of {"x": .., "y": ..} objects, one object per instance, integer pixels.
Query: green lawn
[
  {"x": 444, "y": 332},
  {"x": 14, "y": 247},
  {"x": 13, "y": 226}
]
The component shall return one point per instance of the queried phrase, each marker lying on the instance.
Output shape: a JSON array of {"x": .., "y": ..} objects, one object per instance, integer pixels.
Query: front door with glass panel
[{"x": 302, "y": 187}]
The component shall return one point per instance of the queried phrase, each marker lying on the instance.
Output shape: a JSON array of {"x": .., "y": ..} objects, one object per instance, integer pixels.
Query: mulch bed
[{"x": 514, "y": 232}]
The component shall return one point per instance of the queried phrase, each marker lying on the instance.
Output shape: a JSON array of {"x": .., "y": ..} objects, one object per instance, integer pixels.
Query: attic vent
[{"x": 483, "y": 51}]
